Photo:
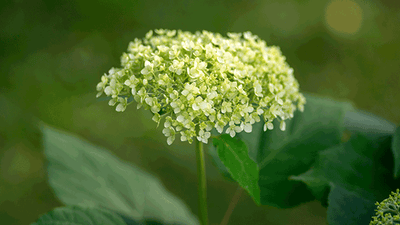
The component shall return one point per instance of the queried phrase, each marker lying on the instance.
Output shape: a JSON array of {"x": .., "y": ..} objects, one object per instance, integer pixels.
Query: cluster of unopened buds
[
  {"x": 388, "y": 211},
  {"x": 200, "y": 81}
]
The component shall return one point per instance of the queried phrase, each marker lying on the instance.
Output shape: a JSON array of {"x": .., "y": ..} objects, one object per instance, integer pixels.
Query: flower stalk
[
  {"x": 196, "y": 82},
  {"x": 202, "y": 183}
]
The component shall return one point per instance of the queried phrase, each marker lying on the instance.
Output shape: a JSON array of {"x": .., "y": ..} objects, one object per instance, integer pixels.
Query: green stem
[
  {"x": 202, "y": 185},
  {"x": 231, "y": 206}
]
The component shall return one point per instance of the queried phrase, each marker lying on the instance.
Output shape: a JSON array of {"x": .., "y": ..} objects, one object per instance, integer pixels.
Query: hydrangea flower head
[
  {"x": 201, "y": 81},
  {"x": 388, "y": 211}
]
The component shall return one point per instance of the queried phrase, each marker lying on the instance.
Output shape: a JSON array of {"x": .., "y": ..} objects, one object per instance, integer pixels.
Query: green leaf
[
  {"x": 234, "y": 155},
  {"x": 349, "y": 207},
  {"x": 368, "y": 124},
  {"x": 396, "y": 151},
  {"x": 218, "y": 163},
  {"x": 75, "y": 215},
  {"x": 83, "y": 174},
  {"x": 359, "y": 172},
  {"x": 317, "y": 183},
  {"x": 281, "y": 154}
]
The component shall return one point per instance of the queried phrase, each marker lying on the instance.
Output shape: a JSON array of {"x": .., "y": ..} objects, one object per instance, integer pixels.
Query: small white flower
[
  {"x": 149, "y": 34},
  {"x": 268, "y": 125},
  {"x": 100, "y": 86},
  {"x": 148, "y": 68},
  {"x": 168, "y": 122},
  {"x": 162, "y": 48},
  {"x": 168, "y": 131},
  {"x": 120, "y": 107},
  {"x": 108, "y": 90},
  {"x": 226, "y": 107},
  {"x": 122, "y": 104},
  {"x": 204, "y": 136},
  {"x": 212, "y": 94},
  {"x": 170, "y": 140},
  {"x": 188, "y": 45},
  {"x": 184, "y": 137},
  {"x": 282, "y": 125},
  {"x": 247, "y": 127},
  {"x": 112, "y": 102},
  {"x": 219, "y": 126},
  {"x": 156, "y": 118},
  {"x": 233, "y": 129},
  {"x": 180, "y": 118},
  {"x": 258, "y": 89}
]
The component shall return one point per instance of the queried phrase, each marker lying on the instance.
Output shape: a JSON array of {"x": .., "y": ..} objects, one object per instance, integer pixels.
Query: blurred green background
[{"x": 54, "y": 52}]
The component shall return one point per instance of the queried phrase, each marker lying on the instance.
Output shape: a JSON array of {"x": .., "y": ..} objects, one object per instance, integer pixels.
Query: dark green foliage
[{"x": 281, "y": 154}]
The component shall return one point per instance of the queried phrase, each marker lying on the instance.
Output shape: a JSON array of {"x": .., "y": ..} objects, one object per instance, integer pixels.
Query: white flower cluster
[{"x": 202, "y": 81}]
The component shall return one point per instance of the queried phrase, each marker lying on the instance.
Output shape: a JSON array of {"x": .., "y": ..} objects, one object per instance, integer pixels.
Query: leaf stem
[
  {"x": 202, "y": 185},
  {"x": 232, "y": 204}
]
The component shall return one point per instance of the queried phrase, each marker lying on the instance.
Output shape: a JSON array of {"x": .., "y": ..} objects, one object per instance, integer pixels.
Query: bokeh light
[{"x": 344, "y": 16}]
